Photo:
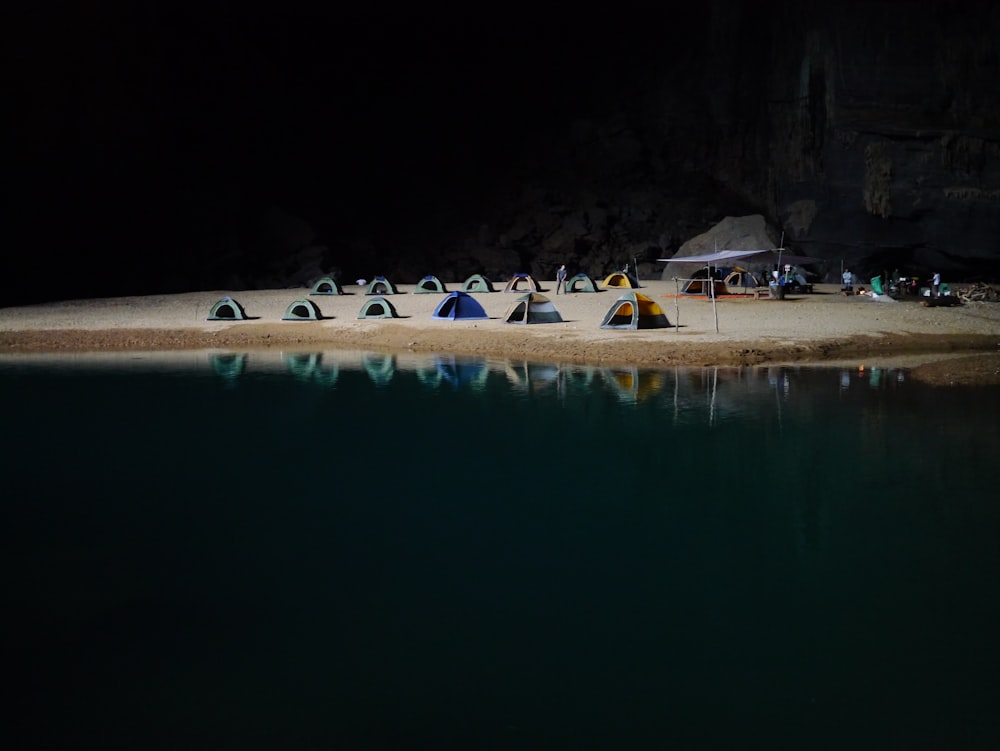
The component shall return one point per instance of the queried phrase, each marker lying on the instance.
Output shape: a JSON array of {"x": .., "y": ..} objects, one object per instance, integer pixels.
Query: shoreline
[{"x": 814, "y": 329}]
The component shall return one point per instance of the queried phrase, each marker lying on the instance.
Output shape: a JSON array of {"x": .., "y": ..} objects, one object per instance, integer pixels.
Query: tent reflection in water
[
  {"x": 532, "y": 308},
  {"x": 635, "y": 311}
]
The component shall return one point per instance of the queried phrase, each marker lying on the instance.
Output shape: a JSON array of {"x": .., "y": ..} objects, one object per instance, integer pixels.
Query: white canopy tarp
[{"x": 732, "y": 255}]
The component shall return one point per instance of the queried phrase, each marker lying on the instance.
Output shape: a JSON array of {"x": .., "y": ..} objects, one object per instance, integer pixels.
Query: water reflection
[
  {"x": 379, "y": 367},
  {"x": 311, "y": 368},
  {"x": 592, "y": 527},
  {"x": 719, "y": 392},
  {"x": 228, "y": 366}
]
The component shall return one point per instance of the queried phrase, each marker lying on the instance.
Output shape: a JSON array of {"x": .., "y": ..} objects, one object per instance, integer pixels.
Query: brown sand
[{"x": 958, "y": 344}]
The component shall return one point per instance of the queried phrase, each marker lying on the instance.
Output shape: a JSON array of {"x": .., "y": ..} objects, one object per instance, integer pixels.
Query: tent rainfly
[
  {"x": 227, "y": 309},
  {"x": 524, "y": 281},
  {"x": 580, "y": 283},
  {"x": 302, "y": 310},
  {"x": 620, "y": 280},
  {"x": 704, "y": 286},
  {"x": 327, "y": 286},
  {"x": 478, "y": 283},
  {"x": 380, "y": 286},
  {"x": 377, "y": 307},
  {"x": 635, "y": 311},
  {"x": 429, "y": 284},
  {"x": 459, "y": 306},
  {"x": 532, "y": 308}
]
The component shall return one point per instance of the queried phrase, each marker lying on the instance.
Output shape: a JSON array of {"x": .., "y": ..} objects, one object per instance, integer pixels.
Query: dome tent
[
  {"x": 635, "y": 311},
  {"x": 429, "y": 284},
  {"x": 580, "y": 283},
  {"x": 377, "y": 307},
  {"x": 459, "y": 306},
  {"x": 532, "y": 308},
  {"x": 227, "y": 309},
  {"x": 478, "y": 283},
  {"x": 327, "y": 286},
  {"x": 381, "y": 286},
  {"x": 621, "y": 280},
  {"x": 302, "y": 310},
  {"x": 526, "y": 281}
]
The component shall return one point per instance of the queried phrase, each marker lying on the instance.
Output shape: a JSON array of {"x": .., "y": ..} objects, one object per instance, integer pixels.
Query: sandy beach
[{"x": 947, "y": 345}]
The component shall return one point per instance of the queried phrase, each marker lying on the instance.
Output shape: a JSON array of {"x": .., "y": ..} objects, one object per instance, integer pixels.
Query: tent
[
  {"x": 700, "y": 286},
  {"x": 459, "y": 306},
  {"x": 380, "y": 286},
  {"x": 302, "y": 310},
  {"x": 227, "y": 309},
  {"x": 477, "y": 283},
  {"x": 580, "y": 283},
  {"x": 378, "y": 307},
  {"x": 620, "y": 279},
  {"x": 428, "y": 284},
  {"x": 527, "y": 281},
  {"x": 635, "y": 311},
  {"x": 740, "y": 278},
  {"x": 532, "y": 308},
  {"x": 327, "y": 286}
]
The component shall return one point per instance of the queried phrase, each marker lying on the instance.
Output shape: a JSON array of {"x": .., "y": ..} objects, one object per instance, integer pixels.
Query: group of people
[{"x": 903, "y": 284}]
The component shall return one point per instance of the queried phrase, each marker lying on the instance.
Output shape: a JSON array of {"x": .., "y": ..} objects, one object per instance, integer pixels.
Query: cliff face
[
  {"x": 868, "y": 133},
  {"x": 160, "y": 150},
  {"x": 881, "y": 133}
]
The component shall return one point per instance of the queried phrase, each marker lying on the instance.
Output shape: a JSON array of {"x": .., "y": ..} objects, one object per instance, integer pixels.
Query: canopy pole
[
  {"x": 711, "y": 287},
  {"x": 677, "y": 305}
]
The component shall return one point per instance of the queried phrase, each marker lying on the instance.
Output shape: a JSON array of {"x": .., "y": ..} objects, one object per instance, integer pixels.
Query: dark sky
[{"x": 139, "y": 125}]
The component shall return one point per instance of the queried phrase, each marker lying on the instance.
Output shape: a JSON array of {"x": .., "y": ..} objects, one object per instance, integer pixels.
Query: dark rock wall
[
  {"x": 159, "y": 149},
  {"x": 867, "y": 132}
]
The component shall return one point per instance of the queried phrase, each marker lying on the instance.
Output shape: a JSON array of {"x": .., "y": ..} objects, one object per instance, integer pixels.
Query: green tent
[
  {"x": 477, "y": 283},
  {"x": 378, "y": 307},
  {"x": 580, "y": 283},
  {"x": 327, "y": 286},
  {"x": 428, "y": 285},
  {"x": 302, "y": 310},
  {"x": 381, "y": 286},
  {"x": 227, "y": 309}
]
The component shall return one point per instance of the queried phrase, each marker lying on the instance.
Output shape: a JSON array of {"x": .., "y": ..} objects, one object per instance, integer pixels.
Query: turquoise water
[{"x": 306, "y": 552}]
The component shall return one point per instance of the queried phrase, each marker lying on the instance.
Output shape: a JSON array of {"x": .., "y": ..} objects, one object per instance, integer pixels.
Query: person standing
[
  {"x": 936, "y": 285},
  {"x": 561, "y": 279},
  {"x": 848, "y": 280}
]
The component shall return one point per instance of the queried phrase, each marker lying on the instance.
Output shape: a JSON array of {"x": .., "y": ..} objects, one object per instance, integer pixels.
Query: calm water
[{"x": 311, "y": 553}]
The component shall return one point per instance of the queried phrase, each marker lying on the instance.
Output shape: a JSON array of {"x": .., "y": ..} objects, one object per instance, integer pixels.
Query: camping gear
[
  {"x": 701, "y": 286},
  {"x": 741, "y": 278},
  {"x": 581, "y": 283},
  {"x": 620, "y": 279},
  {"x": 377, "y": 307},
  {"x": 428, "y": 284},
  {"x": 532, "y": 308},
  {"x": 635, "y": 311},
  {"x": 327, "y": 286},
  {"x": 381, "y": 286},
  {"x": 459, "y": 306},
  {"x": 477, "y": 283},
  {"x": 525, "y": 281},
  {"x": 302, "y": 310},
  {"x": 227, "y": 309}
]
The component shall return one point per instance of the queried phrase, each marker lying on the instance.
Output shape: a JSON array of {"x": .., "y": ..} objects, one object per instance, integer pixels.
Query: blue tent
[{"x": 459, "y": 306}]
